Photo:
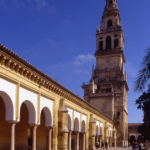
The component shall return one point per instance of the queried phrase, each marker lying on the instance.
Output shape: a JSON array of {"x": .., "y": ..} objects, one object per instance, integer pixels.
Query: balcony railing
[{"x": 108, "y": 50}]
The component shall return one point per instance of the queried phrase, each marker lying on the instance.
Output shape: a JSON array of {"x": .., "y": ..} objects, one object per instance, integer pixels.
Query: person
[
  {"x": 97, "y": 144},
  {"x": 133, "y": 146},
  {"x": 102, "y": 146},
  {"x": 106, "y": 145},
  {"x": 140, "y": 146}
]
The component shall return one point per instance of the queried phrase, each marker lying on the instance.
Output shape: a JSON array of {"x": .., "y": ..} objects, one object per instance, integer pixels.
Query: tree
[
  {"x": 143, "y": 103},
  {"x": 143, "y": 75}
]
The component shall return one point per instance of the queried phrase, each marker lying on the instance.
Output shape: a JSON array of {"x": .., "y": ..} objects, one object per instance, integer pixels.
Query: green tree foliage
[
  {"x": 143, "y": 103},
  {"x": 143, "y": 76}
]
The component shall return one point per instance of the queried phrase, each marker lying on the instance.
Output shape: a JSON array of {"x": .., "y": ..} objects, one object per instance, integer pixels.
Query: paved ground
[{"x": 117, "y": 148}]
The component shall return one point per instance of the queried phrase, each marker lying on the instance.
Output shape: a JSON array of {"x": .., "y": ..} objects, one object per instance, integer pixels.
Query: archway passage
[
  {"x": 42, "y": 133},
  {"x": 5, "y": 128},
  {"x": 24, "y": 130},
  {"x": 132, "y": 139}
]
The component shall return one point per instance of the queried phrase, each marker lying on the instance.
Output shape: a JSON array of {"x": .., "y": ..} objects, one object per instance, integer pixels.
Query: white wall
[
  {"x": 30, "y": 100},
  {"x": 47, "y": 103},
  {"x": 8, "y": 93}
]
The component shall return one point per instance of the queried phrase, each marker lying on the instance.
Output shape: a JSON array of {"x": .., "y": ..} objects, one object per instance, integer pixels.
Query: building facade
[
  {"x": 107, "y": 88},
  {"x": 38, "y": 113},
  {"x": 133, "y": 133}
]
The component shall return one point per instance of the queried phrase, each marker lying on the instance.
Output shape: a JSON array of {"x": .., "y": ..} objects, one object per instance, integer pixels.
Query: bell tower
[{"x": 107, "y": 88}]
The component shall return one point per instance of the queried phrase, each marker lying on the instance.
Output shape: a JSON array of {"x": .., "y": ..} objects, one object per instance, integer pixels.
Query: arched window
[
  {"x": 108, "y": 42},
  {"x": 109, "y": 23}
]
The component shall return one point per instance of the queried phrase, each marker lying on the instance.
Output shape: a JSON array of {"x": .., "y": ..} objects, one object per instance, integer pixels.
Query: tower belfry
[{"x": 107, "y": 88}]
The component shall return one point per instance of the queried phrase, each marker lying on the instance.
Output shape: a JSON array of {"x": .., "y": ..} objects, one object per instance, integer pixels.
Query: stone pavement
[{"x": 117, "y": 148}]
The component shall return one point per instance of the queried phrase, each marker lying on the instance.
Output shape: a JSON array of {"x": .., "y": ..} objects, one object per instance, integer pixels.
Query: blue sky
[{"x": 58, "y": 37}]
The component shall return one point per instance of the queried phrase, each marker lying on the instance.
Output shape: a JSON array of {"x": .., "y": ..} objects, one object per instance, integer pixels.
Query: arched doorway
[
  {"x": 132, "y": 139},
  {"x": 24, "y": 130}
]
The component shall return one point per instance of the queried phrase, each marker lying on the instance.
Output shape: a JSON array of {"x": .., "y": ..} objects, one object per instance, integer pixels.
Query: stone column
[
  {"x": 69, "y": 143},
  {"x": 100, "y": 141},
  {"x": 34, "y": 138},
  {"x": 49, "y": 137},
  {"x": 65, "y": 141},
  {"x": 12, "y": 144},
  {"x": 77, "y": 143},
  {"x": 83, "y": 141}
]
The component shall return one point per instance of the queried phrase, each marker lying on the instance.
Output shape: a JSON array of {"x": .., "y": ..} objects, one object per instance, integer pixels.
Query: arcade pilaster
[
  {"x": 62, "y": 126},
  {"x": 49, "y": 137},
  {"x": 92, "y": 128}
]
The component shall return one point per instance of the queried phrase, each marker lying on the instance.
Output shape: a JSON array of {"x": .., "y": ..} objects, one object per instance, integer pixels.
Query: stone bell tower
[{"x": 107, "y": 88}]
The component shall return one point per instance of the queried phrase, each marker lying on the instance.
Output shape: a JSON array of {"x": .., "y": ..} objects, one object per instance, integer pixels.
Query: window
[
  {"x": 110, "y": 2},
  {"x": 118, "y": 114},
  {"x": 98, "y": 87},
  {"x": 101, "y": 38},
  {"x": 101, "y": 45},
  {"x": 108, "y": 90},
  {"x": 108, "y": 42},
  {"x": 109, "y": 23},
  {"x": 116, "y": 35},
  {"x": 115, "y": 43}
]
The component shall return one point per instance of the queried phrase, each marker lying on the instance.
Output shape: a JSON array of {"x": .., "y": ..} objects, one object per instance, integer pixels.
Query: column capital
[
  {"x": 83, "y": 132},
  {"x": 49, "y": 128},
  {"x": 70, "y": 131},
  {"x": 12, "y": 121}
]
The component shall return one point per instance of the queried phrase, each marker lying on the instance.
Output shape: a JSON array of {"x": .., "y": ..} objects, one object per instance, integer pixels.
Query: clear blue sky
[{"x": 58, "y": 37}]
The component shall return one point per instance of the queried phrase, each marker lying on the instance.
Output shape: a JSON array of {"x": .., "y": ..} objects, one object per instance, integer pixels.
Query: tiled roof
[{"x": 23, "y": 61}]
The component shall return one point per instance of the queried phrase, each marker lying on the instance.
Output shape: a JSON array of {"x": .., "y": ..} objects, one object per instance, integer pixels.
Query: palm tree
[{"x": 143, "y": 75}]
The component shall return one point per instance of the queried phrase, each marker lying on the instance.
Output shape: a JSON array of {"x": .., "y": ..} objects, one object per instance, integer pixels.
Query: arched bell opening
[
  {"x": 109, "y": 23},
  {"x": 108, "y": 42},
  {"x": 5, "y": 128},
  {"x": 24, "y": 128}
]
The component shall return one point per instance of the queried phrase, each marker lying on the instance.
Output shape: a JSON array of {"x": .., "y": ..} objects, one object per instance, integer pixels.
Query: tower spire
[{"x": 109, "y": 76}]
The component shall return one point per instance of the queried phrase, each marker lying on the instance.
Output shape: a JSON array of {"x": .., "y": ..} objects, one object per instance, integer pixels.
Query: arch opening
[
  {"x": 109, "y": 23},
  {"x": 83, "y": 127},
  {"x": 5, "y": 128},
  {"x": 48, "y": 117},
  {"x": 42, "y": 129},
  {"x": 8, "y": 105},
  {"x": 97, "y": 130},
  {"x": 108, "y": 42},
  {"x": 76, "y": 125},
  {"x": 31, "y": 110}
]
